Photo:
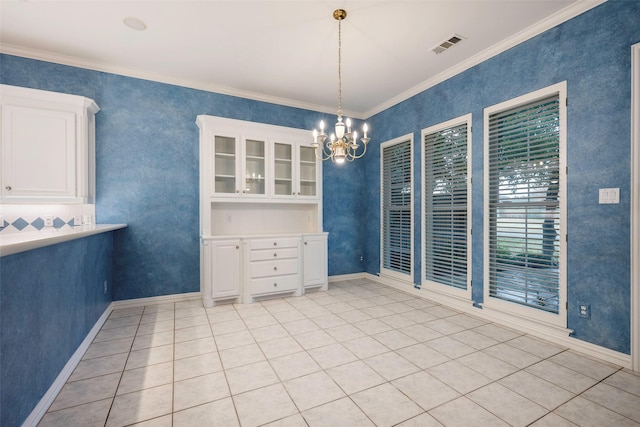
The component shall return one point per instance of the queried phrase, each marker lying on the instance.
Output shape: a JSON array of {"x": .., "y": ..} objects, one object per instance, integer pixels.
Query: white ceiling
[{"x": 280, "y": 51}]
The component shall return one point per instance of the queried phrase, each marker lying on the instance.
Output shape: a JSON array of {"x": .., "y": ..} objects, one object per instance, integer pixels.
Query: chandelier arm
[{"x": 320, "y": 155}]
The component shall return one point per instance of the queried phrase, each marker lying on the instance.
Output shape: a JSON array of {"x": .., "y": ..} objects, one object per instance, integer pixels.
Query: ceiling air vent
[{"x": 451, "y": 41}]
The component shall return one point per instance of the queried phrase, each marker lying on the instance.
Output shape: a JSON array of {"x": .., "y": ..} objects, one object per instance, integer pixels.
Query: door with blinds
[
  {"x": 446, "y": 207},
  {"x": 396, "y": 208},
  {"x": 525, "y": 212}
]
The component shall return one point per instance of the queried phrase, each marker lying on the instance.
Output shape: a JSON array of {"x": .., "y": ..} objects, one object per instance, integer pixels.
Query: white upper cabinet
[
  {"x": 48, "y": 147},
  {"x": 295, "y": 171},
  {"x": 247, "y": 160}
]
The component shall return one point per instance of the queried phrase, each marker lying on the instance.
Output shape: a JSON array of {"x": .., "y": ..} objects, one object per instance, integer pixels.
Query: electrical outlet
[
  {"x": 105, "y": 287},
  {"x": 77, "y": 220},
  {"x": 361, "y": 258},
  {"x": 48, "y": 220},
  {"x": 86, "y": 219},
  {"x": 584, "y": 310}
]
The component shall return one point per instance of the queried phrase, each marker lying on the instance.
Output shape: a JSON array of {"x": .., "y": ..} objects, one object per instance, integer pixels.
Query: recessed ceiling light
[{"x": 134, "y": 23}]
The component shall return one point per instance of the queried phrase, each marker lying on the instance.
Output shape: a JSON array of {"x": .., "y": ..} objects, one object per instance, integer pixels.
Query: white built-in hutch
[{"x": 260, "y": 212}]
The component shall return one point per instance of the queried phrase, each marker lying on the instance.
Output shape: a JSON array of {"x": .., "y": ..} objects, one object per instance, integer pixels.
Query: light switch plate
[{"x": 609, "y": 196}]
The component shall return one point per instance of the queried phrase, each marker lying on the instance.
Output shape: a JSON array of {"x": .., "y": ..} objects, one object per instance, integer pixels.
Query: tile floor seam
[{"x": 115, "y": 393}]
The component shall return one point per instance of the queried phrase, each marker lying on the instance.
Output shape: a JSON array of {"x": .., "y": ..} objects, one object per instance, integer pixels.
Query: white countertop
[{"x": 19, "y": 242}]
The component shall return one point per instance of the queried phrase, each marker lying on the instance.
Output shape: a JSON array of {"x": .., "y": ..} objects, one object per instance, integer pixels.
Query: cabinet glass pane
[
  {"x": 225, "y": 164},
  {"x": 307, "y": 171},
  {"x": 255, "y": 166},
  {"x": 283, "y": 169}
]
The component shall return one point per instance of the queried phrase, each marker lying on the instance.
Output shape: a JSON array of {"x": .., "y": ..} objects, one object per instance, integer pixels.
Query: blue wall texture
[
  {"x": 147, "y": 163},
  {"x": 50, "y": 298},
  {"x": 592, "y": 52},
  {"x": 147, "y": 172}
]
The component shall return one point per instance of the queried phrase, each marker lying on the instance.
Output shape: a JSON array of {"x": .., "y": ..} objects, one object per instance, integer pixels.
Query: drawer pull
[
  {"x": 237, "y": 247},
  {"x": 8, "y": 188},
  {"x": 305, "y": 243},
  {"x": 275, "y": 268},
  {"x": 275, "y": 254},
  {"x": 275, "y": 284},
  {"x": 275, "y": 243}
]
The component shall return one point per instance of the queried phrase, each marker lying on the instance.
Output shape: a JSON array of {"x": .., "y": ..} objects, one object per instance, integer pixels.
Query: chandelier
[{"x": 343, "y": 144}]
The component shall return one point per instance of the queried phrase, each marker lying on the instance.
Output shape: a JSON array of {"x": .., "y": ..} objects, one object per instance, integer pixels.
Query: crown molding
[
  {"x": 72, "y": 61},
  {"x": 557, "y": 18}
]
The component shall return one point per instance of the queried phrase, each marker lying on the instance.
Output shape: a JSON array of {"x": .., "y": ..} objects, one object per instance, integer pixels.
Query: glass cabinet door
[
  {"x": 225, "y": 165},
  {"x": 283, "y": 169},
  {"x": 307, "y": 168},
  {"x": 254, "y": 167}
]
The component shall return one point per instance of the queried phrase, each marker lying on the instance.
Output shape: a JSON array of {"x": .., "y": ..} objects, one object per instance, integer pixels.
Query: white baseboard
[
  {"x": 41, "y": 408},
  {"x": 552, "y": 334},
  {"x": 343, "y": 277},
  {"x": 163, "y": 299}
]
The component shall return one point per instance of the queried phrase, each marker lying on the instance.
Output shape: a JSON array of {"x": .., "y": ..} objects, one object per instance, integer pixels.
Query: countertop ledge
[{"x": 19, "y": 242}]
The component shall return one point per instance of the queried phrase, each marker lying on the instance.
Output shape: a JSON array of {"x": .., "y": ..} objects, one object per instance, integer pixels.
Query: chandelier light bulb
[{"x": 365, "y": 128}]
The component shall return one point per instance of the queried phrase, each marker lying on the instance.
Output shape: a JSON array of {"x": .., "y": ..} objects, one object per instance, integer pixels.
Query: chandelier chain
[{"x": 339, "y": 67}]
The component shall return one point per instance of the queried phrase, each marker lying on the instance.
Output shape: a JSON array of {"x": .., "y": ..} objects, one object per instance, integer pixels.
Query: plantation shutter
[
  {"x": 524, "y": 208},
  {"x": 446, "y": 206},
  {"x": 396, "y": 208}
]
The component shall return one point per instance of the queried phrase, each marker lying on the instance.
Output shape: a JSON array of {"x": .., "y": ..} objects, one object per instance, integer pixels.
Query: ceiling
[{"x": 280, "y": 51}]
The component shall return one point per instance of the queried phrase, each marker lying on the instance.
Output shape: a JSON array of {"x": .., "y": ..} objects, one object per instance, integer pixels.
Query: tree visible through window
[{"x": 524, "y": 204}]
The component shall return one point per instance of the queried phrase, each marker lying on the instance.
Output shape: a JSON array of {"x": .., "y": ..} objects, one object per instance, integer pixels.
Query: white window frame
[
  {"x": 429, "y": 284},
  {"x": 522, "y": 311},
  {"x": 635, "y": 207},
  {"x": 404, "y": 277}
]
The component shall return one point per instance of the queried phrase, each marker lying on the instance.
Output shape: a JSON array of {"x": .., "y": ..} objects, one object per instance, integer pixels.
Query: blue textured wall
[
  {"x": 147, "y": 162},
  {"x": 147, "y": 172},
  {"x": 592, "y": 53},
  {"x": 45, "y": 316}
]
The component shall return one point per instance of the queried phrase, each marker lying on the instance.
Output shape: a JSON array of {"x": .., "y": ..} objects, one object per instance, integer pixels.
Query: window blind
[
  {"x": 524, "y": 207},
  {"x": 446, "y": 206},
  {"x": 396, "y": 208}
]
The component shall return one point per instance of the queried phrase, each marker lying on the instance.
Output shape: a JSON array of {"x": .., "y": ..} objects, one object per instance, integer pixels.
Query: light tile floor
[{"x": 360, "y": 354}]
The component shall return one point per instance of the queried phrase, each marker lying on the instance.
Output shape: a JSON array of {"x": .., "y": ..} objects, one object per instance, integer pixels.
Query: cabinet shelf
[
  {"x": 226, "y": 155},
  {"x": 282, "y": 160}
]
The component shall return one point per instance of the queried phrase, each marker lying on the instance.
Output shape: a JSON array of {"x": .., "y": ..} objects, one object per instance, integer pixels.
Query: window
[
  {"x": 446, "y": 228},
  {"x": 396, "y": 240},
  {"x": 525, "y": 205}
]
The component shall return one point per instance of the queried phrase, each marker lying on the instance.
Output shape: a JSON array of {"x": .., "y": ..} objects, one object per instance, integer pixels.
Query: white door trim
[{"x": 635, "y": 206}]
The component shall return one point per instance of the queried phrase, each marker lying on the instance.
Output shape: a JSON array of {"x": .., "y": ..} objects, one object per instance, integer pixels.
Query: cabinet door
[
  {"x": 283, "y": 171},
  {"x": 38, "y": 154},
  {"x": 226, "y": 158},
  {"x": 254, "y": 168},
  {"x": 307, "y": 172},
  {"x": 315, "y": 260},
  {"x": 225, "y": 269}
]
